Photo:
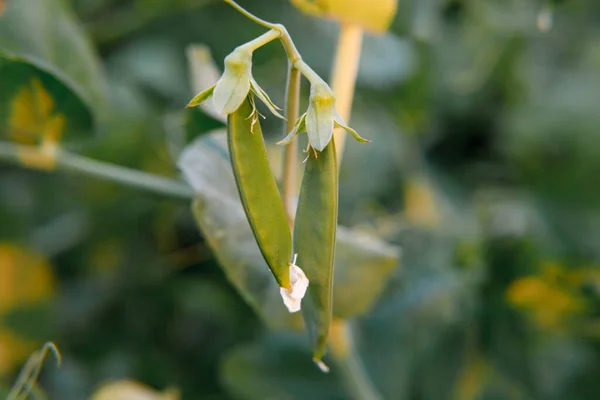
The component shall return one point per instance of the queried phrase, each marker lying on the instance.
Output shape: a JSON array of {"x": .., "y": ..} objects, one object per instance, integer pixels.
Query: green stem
[
  {"x": 261, "y": 40},
  {"x": 28, "y": 376},
  {"x": 72, "y": 162},
  {"x": 249, "y": 15},
  {"x": 341, "y": 340},
  {"x": 286, "y": 40},
  {"x": 308, "y": 72},
  {"x": 292, "y": 107},
  {"x": 343, "y": 78}
]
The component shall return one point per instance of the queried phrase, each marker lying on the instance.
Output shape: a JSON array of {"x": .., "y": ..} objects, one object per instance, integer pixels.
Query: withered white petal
[
  {"x": 322, "y": 366},
  {"x": 300, "y": 126},
  {"x": 293, "y": 305},
  {"x": 264, "y": 97},
  {"x": 292, "y": 298}
]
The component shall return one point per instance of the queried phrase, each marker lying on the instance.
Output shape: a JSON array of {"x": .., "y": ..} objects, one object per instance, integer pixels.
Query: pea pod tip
[{"x": 322, "y": 366}]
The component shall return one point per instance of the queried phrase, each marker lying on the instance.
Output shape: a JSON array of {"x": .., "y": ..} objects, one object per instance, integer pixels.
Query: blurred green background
[{"x": 483, "y": 174}]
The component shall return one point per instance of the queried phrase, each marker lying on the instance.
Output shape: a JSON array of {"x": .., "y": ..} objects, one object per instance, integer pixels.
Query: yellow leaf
[
  {"x": 34, "y": 121},
  {"x": 131, "y": 390},
  {"x": 372, "y": 15},
  {"x": 25, "y": 279}
]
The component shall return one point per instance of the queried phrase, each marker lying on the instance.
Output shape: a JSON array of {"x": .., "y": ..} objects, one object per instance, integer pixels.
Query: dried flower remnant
[{"x": 299, "y": 284}]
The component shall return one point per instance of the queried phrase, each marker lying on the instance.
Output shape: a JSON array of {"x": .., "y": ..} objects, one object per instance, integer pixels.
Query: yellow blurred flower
[
  {"x": 25, "y": 279},
  {"x": 372, "y": 15},
  {"x": 131, "y": 390},
  {"x": 34, "y": 120},
  {"x": 551, "y": 298}
]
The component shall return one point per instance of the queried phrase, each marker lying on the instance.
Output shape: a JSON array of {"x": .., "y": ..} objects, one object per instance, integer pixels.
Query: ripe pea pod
[
  {"x": 314, "y": 241},
  {"x": 258, "y": 191}
]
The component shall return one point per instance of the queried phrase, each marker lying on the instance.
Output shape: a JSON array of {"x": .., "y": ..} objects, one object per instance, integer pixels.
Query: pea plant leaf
[
  {"x": 204, "y": 73},
  {"x": 186, "y": 125},
  {"x": 51, "y": 87},
  {"x": 362, "y": 266},
  {"x": 277, "y": 366},
  {"x": 183, "y": 127},
  {"x": 220, "y": 216}
]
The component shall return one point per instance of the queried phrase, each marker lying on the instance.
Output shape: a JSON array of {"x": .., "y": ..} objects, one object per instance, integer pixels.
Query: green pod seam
[
  {"x": 314, "y": 241},
  {"x": 258, "y": 191}
]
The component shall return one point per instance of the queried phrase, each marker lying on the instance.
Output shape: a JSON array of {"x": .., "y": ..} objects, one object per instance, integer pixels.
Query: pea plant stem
[
  {"x": 68, "y": 161},
  {"x": 249, "y": 15},
  {"x": 343, "y": 349},
  {"x": 286, "y": 40},
  {"x": 290, "y": 159},
  {"x": 343, "y": 83},
  {"x": 262, "y": 40},
  {"x": 343, "y": 78}
]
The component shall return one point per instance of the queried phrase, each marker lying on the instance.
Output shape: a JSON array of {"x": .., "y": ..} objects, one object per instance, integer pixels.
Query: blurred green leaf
[
  {"x": 204, "y": 73},
  {"x": 220, "y": 215},
  {"x": 277, "y": 367},
  {"x": 198, "y": 122},
  {"x": 363, "y": 264},
  {"x": 44, "y": 32},
  {"x": 552, "y": 138},
  {"x": 41, "y": 44},
  {"x": 35, "y": 322},
  {"x": 183, "y": 127},
  {"x": 36, "y": 105}
]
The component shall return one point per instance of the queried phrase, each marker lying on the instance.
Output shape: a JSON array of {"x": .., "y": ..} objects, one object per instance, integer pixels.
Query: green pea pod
[
  {"x": 314, "y": 241},
  {"x": 258, "y": 191}
]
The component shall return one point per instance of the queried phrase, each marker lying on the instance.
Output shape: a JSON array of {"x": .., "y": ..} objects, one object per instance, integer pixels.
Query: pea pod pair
[{"x": 316, "y": 217}]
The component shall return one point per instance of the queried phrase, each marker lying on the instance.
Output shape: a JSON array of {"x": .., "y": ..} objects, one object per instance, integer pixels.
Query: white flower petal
[
  {"x": 230, "y": 93},
  {"x": 299, "y": 282},
  {"x": 292, "y": 299},
  {"x": 319, "y": 117},
  {"x": 319, "y": 127},
  {"x": 293, "y": 305},
  {"x": 234, "y": 85}
]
